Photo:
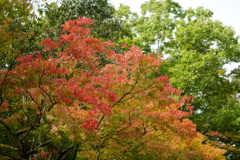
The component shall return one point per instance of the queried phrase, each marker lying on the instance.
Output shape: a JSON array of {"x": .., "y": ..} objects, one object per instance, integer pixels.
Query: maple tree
[{"x": 75, "y": 105}]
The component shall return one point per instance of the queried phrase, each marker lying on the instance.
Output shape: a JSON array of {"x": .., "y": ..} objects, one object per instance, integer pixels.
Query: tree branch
[
  {"x": 65, "y": 152},
  {"x": 18, "y": 133},
  {"x": 40, "y": 145},
  {"x": 7, "y": 128},
  {"x": 13, "y": 157}
]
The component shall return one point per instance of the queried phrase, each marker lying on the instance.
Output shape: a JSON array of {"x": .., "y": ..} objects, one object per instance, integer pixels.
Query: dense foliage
[
  {"x": 65, "y": 94},
  {"x": 198, "y": 49},
  {"x": 72, "y": 106}
]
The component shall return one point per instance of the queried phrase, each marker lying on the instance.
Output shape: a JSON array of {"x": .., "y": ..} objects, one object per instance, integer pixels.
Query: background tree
[
  {"x": 128, "y": 20},
  {"x": 199, "y": 48},
  {"x": 17, "y": 35},
  {"x": 157, "y": 22},
  {"x": 101, "y": 12},
  {"x": 226, "y": 120},
  {"x": 15, "y": 9}
]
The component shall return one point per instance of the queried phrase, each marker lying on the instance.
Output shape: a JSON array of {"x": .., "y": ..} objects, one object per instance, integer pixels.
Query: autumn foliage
[{"x": 86, "y": 101}]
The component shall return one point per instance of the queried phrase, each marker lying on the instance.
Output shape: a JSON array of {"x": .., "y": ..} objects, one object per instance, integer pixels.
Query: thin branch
[
  {"x": 100, "y": 120},
  {"x": 18, "y": 133},
  {"x": 40, "y": 145},
  {"x": 53, "y": 102},
  {"x": 149, "y": 87},
  {"x": 127, "y": 93},
  {"x": 99, "y": 148},
  {"x": 120, "y": 100},
  {"x": 32, "y": 127},
  {"x": 5, "y": 77},
  {"x": 130, "y": 123},
  {"x": 8, "y": 129},
  {"x": 13, "y": 157},
  {"x": 39, "y": 107},
  {"x": 66, "y": 151},
  {"x": 126, "y": 99}
]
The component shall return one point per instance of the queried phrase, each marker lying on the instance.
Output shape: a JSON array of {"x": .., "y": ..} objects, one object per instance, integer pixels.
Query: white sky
[{"x": 226, "y": 11}]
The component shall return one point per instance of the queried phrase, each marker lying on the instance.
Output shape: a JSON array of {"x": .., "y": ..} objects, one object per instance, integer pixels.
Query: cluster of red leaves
[{"x": 43, "y": 155}]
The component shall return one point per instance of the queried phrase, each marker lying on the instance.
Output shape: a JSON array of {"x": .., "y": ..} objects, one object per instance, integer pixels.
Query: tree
[
  {"x": 128, "y": 20},
  {"x": 157, "y": 22},
  {"x": 226, "y": 121},
  {"x": 199, "y": 48},
  {"x": 71, "y": 105},
  {"x": 14, "y": 9},
  {"x": 101, "y": 12},
  {"x": 17, "y": 36}
]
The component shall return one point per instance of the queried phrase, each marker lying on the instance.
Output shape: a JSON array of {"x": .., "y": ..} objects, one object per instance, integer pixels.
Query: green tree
[
  {"x": 16, "y": 35},
  {"x": 158, "y": 20},
  {"x": 199, "y": 48},
  {"x": 128, "y": 21},
  {"x": 19, "y": 10},
  {"x": 227, "y": 121},
  {"x": 101, "y": 12}
]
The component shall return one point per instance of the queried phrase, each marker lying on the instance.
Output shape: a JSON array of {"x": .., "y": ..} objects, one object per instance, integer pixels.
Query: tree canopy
[
  {"x": 198, "y": 49},
  {"x": 70, "y": 106},
  {"x": 81, "y": 88}
]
